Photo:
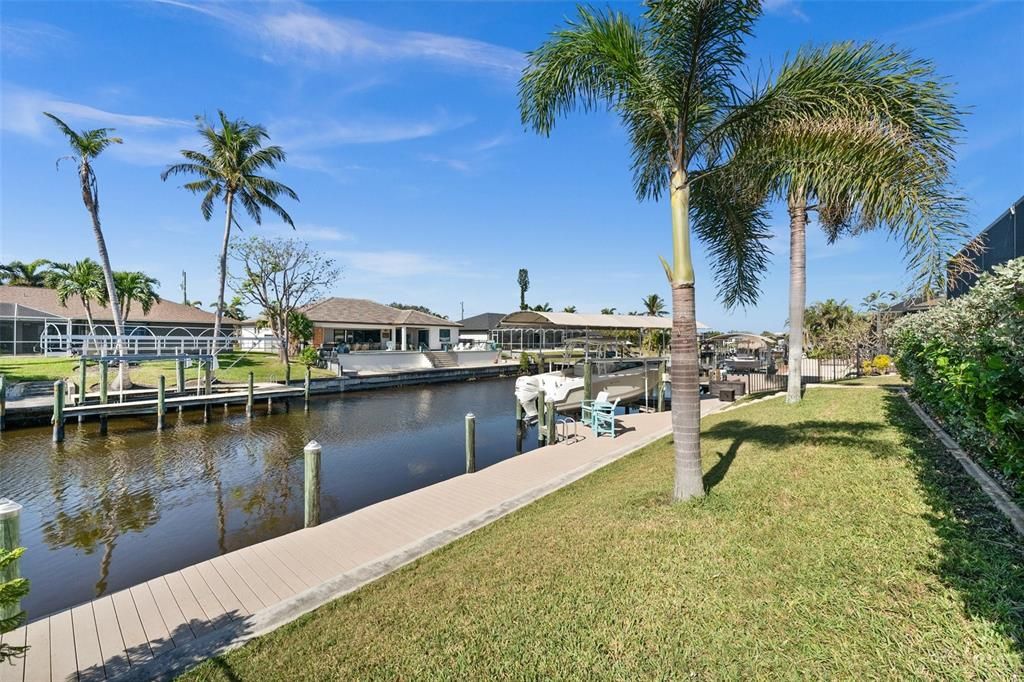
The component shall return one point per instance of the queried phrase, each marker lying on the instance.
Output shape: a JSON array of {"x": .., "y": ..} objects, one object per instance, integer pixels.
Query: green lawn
[
  {"x": 838, "y": 541},
  {"x": 881, "y": 380},
  {"x": 265, "y": 367}
]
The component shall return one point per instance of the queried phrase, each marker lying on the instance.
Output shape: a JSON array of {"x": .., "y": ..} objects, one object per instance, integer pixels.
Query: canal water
[{"x": 103, "y": 513}]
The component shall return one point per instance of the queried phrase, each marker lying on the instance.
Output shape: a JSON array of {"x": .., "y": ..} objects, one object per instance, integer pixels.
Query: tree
[
  {"x": 654, "y": 305},
  {"x": 524, "y": 285},
  {"x": 229, "y": 168},
  {"x": 542, "y": 308},
  {"x": 233, "y": 309},
  {"x": 82, "y": 280},
  {"x": 300, "y": 330},
  {"x": 86, "y": 146},
  {"x": 421, "y": 308},
  {"x": 607, "y": 311},
  {"x": 697, "y": 137},
  {"x": 136, "y": 287},
  {"x": 878, "y": 306},
  {"x": 827, "y": 326},
  {"x": 875, "y": 154},
  {"x": 281, "y": 276},
  {"x": 569, "y": 309},
  {"x": 17, "y": 273}
]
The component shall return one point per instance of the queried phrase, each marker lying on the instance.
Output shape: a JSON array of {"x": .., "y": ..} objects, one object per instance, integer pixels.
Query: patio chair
[
  {"x": 587, "y": 407},
  {"x": 603, "y": 419}
]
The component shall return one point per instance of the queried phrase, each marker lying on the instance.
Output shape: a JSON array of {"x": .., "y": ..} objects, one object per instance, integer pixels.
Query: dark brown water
[{"x": 103, "y": 513}]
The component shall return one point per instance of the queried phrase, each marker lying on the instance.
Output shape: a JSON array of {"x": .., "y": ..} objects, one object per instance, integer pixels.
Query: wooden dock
[
  {"x": 148, "y": 406},
  {"x": 157, "y": 628}
]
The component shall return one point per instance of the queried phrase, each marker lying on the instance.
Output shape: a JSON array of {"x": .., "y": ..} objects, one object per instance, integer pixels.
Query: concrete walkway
[{"x": 160, "y": 627}]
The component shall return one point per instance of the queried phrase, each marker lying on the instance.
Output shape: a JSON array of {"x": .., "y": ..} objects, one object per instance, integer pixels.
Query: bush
[
  {"x": 11, "y": 591},
  {"x": 524, "y": 363},
  {"x": 309, "y": 356},
  {"x": 965, "y": 358},
  {"x": 881, "y": 363}
]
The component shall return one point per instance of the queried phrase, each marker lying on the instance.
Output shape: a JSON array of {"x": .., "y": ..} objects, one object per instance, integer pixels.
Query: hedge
[{"x": 965, "y": 359}]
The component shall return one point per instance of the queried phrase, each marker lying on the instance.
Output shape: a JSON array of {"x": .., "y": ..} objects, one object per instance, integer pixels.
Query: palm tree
[
  {"x": 86, "y": 146},
  {"x": 82, "y": 280},
  {"x": 524, "y": 284},
  {"x": 654, "y": 305},
  {"x": 876, "y": 154},
  {"x": 607, "y": 311},
  {"x": 569, "y": 309},
  {"x": 542, "y": 308},
  {"x": 229, "y": 167},
  {"x": 137, "y": 287},
  {"x": 17, "y": 273},
  {"x": 695, "y": 136}
]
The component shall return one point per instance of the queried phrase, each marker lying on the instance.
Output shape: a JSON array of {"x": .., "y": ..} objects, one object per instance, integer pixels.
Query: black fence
[{"x": 776, "y": 378}]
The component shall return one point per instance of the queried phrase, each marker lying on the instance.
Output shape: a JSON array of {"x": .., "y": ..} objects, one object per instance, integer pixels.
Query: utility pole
[
  {"x": 462, "y": 310},
  {"x": 184, "y": 287}
]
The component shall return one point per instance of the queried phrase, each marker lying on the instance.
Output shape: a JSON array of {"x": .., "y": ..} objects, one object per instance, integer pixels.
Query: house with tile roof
[{"x": 362, "y": 325}]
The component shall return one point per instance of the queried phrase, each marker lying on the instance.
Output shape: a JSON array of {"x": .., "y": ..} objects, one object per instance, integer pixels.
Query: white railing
[{"x": 89, "y": 344}]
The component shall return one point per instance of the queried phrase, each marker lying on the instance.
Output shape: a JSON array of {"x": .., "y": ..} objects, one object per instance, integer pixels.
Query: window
[{"x": 446, "y": 335}]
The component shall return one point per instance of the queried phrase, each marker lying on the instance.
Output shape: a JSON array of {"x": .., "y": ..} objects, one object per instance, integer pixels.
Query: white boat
[{"x": 622, "y": 379}]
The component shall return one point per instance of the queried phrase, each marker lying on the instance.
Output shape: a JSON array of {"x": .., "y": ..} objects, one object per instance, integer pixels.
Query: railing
[
  {"x": 83, "y": 344},
  {"x": 773, "y": 379}
]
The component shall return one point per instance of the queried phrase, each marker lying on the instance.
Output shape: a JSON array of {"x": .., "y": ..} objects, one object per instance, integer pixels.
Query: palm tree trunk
[
  {"x": 85, "y": 175},
  {"x": 797, "y": 290},
  {"x": 689, "y": 475},
  {"x": 229, "y": 201},
  {"x": 92, "y": 325}
]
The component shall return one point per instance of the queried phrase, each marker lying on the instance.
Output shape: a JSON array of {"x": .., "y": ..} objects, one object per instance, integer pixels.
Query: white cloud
[
  {"x": 303, "y": 33},
  {"x": 307, "y": 232},
  {"x": 459, "y": 165},
  {"x": 394, "y": 264},
  {"x": 23, "y": 114},
  {"x": 306, "y": 134},
  {"x": 791, "y": 8},
  {"x": 27, "y": 38},
  {"x": 942, "y": 19}
]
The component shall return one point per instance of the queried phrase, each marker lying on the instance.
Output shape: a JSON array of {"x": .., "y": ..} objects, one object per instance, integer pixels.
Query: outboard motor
[{"x": 527, "y": 390}]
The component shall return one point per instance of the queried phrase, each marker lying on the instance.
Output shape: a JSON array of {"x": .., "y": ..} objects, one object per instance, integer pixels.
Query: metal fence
[{"x": 776, "y": 378}]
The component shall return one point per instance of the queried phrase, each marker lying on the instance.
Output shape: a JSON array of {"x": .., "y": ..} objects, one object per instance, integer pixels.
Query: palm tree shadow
[{"x": 716, "y": 473}]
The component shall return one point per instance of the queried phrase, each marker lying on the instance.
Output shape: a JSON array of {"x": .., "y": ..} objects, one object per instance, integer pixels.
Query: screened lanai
[{"x": 534, "y": 330}]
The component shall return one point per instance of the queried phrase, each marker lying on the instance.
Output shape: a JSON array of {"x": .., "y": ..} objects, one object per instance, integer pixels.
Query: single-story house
[
  {"x": 32, "y": 320},
  {"x": 477, "y": 329},
  {"x": 364, "y": 325}
]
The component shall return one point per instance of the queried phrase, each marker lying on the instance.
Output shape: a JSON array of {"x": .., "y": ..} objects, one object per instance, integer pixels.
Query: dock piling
[
  {"x": 3, "y": 401},
  {"x": 470, "y": 443},
  {"x": 58, "y": 411},
  {"x": 104, "y": 376},
  {"x": 10, "y": 521},
  {"x": 161, "y": 390},
  {"x": 588, "y": 380},
  {"x": 208, "y": 378},
  {"x": 305, "y": 394},
  {"x": 312, "y": 453},
  {"x": 541, "y": 405},
  {"x": 179, "y": 375},
  {"x": 249, "y": 398},
  {"x": 549, "y": 412},
  {"x": 287, "y": 373}
]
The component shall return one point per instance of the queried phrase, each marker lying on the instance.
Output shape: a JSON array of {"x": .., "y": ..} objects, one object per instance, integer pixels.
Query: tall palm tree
[
  {"x": 524, "y": 284},
  {"x": 654, "y": 305},
  {"x": 82, "y": 280},
  {"x": 137, "y": 287},
  {"x": 17, "y": 273},
  {"x": 569, "y": 309},
  {"x": 876, "y": 154},
  {"x": 86, "y": 145},
  {"x": 607, "y": 311},
  {"x": 542, "y": 308},
  {"x": 229, "y": 168}
]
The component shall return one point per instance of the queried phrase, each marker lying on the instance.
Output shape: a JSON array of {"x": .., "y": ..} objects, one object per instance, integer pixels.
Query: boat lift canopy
[{"x": 531, "y": 319}]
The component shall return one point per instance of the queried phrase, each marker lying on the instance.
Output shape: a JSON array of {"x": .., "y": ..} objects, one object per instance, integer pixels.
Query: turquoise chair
[
  {"x": 587, "y": 408},
  {"x": 603, "y": 418}
]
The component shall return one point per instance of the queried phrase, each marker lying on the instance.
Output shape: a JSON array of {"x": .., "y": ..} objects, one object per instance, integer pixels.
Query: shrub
[
  {"x": 10, "y": 592},
  {"x": 524, "y": 363},
  {"x": 881, "y": 363},
  {"x": 309, "y": 356},
  {"x": 965, "y": 358}
]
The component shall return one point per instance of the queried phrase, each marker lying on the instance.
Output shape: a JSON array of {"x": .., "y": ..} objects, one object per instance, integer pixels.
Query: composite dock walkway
[{"x": 159, "y": 627}]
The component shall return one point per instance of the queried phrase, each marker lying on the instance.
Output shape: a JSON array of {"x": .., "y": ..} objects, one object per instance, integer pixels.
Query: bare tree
[{"x": 281, "y": 276}]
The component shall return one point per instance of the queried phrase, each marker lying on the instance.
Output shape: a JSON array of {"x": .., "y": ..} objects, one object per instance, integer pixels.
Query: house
[
  {"x": 477, "y": 329},
  {"x": 33, "y": 320},
  {"x": 1000, "y": 242},
  {"x": 363, "y": 325}
]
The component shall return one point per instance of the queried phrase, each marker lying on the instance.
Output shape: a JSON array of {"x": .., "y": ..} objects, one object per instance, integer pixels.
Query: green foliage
[
  {"x": 135, "y": 287},
  {"x": 308, "y": 357},
  {"x": 881, "y": 363},
  {"x": 966, "y": 360},
  {"x": 17, "y": 273},
  {"x": 524, "y": 363},
  {"x": 542, "y": 308},
  {"x": 420, "y": 308},
  {"x": 11, "y": 592},
  {"x": 300, "y": 327},
  {"x": 524, "y": 285}
]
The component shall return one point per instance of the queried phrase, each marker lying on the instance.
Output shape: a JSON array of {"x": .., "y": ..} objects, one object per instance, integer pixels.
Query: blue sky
[{"x": 404, "y": 143}]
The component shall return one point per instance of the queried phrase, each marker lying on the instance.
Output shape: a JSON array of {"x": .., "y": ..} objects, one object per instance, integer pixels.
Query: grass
[
  {"x": 838, "y": 540},
  {"x": 881, "y": 380},
  {"x": 264, "y": 366}
]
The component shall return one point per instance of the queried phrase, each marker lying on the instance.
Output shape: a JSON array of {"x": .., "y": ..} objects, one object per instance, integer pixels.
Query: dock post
[
  {"x": 3, "y": 401},
  {"x": 270, "y": 405},
  {"x": 81, "y": 381},
  {"x": 58, "y": 411},
  {"x": 312, "y": 453},
  {"x": 661, "y": 386},
  {"x": 588, "y": 380},
  {"x": 10, "y": 539},
  {"x": 541, "y": 405},
  {"x": 248, "y": 399},
  {"x": 103, "y": 395},
  {"x": 161, "y": 390},
  {"x": 179, "y": 374},
  {"x": 549, "y": 412},
  {"x": 519, "y": 411},
  {"x": 470, "y": 443},
  {"x": 287, "y": 373},
  {"x": 208, "y": 378},
  {"x": 305, "y": 394}
]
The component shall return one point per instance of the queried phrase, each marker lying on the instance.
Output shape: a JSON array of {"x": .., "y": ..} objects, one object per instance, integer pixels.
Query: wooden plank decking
[{"x": 149, "y": 628}]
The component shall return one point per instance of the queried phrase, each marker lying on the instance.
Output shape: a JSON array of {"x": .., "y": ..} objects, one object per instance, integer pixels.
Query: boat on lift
[{"x": 622, "y": 378}]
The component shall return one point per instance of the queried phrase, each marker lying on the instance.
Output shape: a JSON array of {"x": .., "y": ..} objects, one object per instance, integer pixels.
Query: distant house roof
[
  {"x": 482, "y": 322},
  {"x": 45, "y": 300},
  {"x": 531, "y": 318},
  {"x": 361, "y": 311}
]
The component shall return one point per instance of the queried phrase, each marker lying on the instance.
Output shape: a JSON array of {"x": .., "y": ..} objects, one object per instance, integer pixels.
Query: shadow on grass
[{"x": 982, "y": 554}]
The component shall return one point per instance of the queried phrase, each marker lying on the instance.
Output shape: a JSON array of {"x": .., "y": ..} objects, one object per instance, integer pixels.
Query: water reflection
[{"x": 103, "y": 513}]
